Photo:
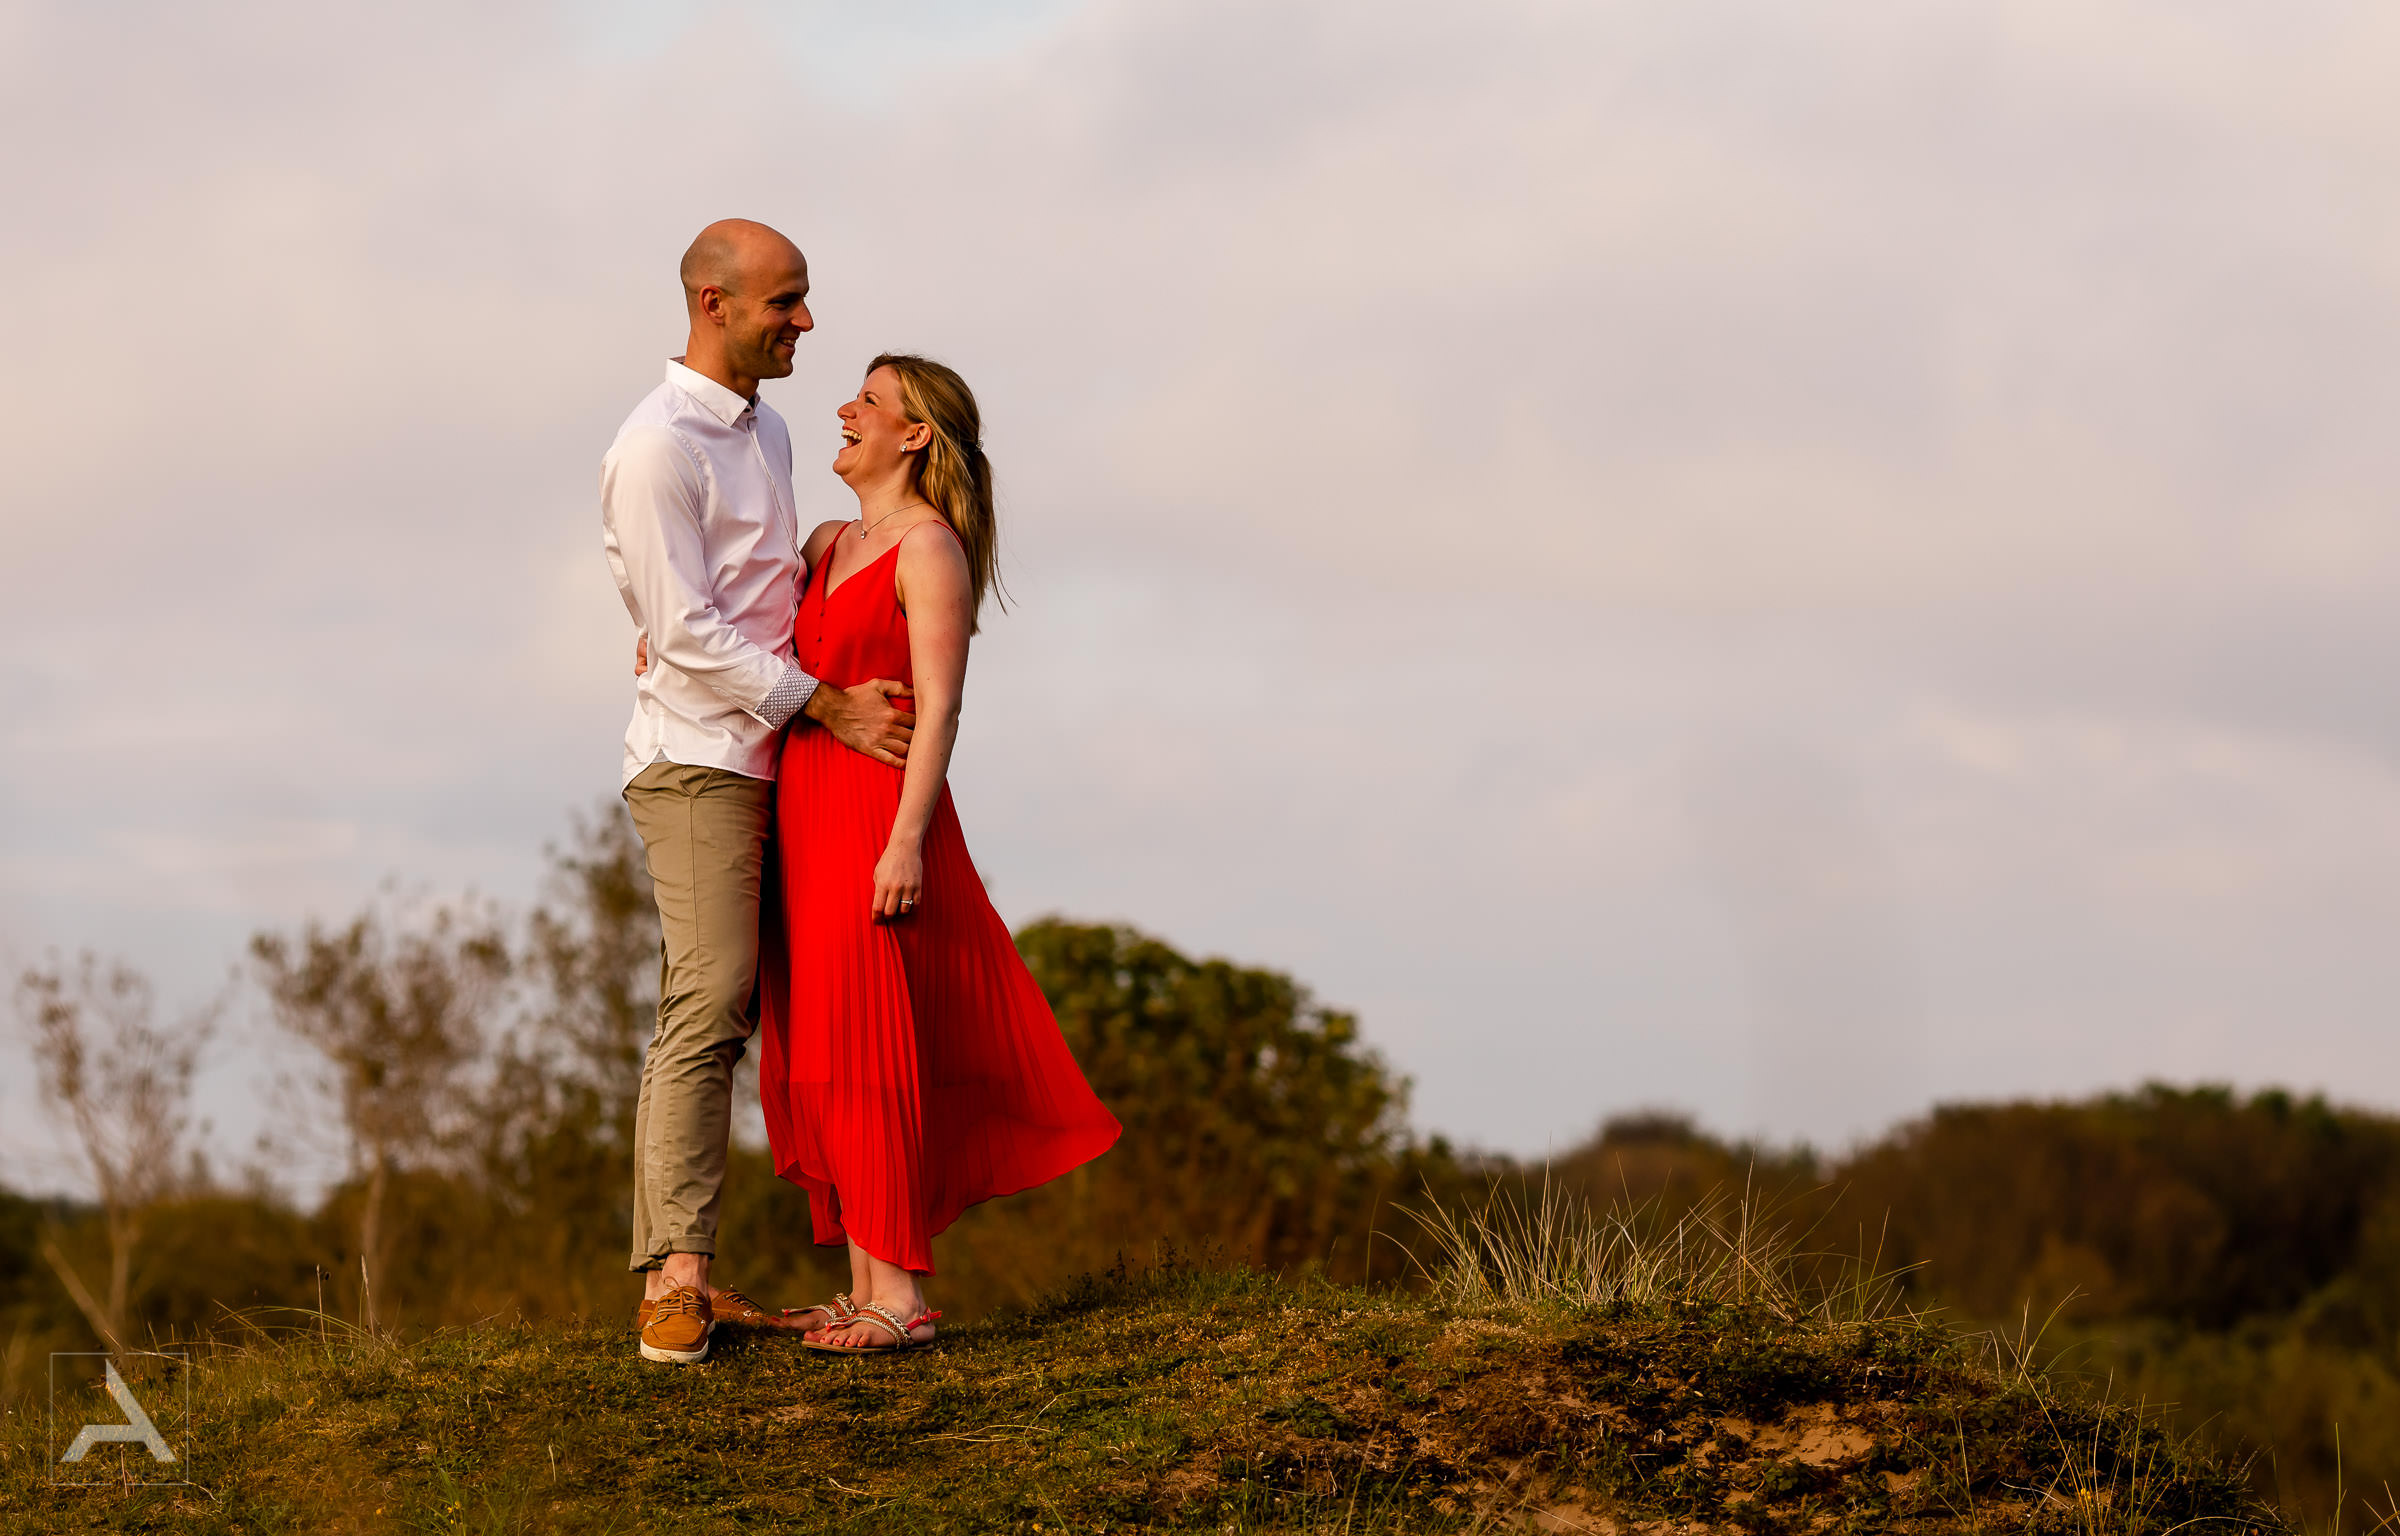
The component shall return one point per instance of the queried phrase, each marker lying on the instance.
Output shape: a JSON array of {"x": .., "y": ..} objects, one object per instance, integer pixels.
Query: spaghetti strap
[{"x": 942, "y": 523}]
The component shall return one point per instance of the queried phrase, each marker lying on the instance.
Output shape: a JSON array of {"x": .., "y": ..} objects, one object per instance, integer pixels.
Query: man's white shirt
[{"x": 696, "y": 515}]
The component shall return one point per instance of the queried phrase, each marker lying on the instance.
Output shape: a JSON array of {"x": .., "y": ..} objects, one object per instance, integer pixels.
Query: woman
[{"x": 910, "y": 1066}]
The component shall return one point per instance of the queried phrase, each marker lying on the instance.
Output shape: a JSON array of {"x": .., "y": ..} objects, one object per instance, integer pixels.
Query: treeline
[
  {"x": 2197, "y": 1206},
  {"x": 481, "y": 1078},
  {"x": 2236, "y": 1257}
]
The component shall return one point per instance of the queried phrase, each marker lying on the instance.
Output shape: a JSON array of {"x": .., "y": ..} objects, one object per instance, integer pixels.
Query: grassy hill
[
  {"x": 2234, "y": 1259},
  {"x": 1173, "y": 1400}
]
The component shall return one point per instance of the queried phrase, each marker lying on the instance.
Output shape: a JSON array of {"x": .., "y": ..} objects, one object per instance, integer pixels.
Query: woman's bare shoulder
[
  {"x": 932, "y": 535},
  {"x": 821, "y": 540},
  {"x": 931, "y": 546},
  {"x": 931, "y": 560}
]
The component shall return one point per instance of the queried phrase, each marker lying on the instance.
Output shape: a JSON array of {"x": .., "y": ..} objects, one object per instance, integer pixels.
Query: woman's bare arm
[{"x": 938, "y": 595}]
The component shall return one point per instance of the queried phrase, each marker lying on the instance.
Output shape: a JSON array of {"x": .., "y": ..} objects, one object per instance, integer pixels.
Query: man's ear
[{"x": 712, "y": 303}]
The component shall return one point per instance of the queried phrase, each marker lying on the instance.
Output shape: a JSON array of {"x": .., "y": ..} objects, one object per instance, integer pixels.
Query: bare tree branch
[
  {"x": 81, "y": 1294},
  {"x": 397, "y": 1008},
  {"x": 123, "y": 1086}
]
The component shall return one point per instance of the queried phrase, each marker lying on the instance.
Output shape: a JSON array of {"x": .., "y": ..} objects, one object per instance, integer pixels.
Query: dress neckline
[{"x": 832, "y": 586}]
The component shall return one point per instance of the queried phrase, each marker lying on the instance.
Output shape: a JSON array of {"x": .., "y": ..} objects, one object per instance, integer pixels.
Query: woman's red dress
[{"x": 909, "y": 1068}]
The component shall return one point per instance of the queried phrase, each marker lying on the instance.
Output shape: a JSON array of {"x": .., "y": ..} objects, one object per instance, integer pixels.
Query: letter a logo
[{"x": 136, "y": 1428}]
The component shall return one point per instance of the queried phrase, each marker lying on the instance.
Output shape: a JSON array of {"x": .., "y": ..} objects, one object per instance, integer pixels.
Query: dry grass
[
  {"x": 1572, "y": 1372},
  {"x": 1555, "y": 1247}
]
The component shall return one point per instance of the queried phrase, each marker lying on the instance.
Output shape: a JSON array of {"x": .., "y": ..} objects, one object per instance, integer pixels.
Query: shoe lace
[{"x": 683, "y": 1303}]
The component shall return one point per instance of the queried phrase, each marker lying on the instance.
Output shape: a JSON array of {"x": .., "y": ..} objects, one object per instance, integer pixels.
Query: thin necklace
[{"x": 865, "y": 527}]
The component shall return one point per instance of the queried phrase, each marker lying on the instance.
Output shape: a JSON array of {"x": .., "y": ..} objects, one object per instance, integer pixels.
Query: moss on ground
[{"x": 1176, "y": 1401}]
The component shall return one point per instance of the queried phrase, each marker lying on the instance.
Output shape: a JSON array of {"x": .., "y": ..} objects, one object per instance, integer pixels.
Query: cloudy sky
[{"x": 1789, "y": 561}]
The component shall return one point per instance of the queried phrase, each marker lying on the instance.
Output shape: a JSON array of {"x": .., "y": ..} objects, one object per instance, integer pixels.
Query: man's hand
[
  {"x": 863, "y": 719},
  {"x": 641, "y": 653}
]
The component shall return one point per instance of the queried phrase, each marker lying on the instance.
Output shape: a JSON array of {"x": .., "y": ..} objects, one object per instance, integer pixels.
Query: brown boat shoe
[
  {"x": 730, "y": 1308},
  {"x": 736, "y": 1310},
  {"x": 678, "y": 1328}
]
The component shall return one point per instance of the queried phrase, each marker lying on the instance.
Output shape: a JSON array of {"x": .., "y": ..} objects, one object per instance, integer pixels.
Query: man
[{"x": 702, "y": 536}]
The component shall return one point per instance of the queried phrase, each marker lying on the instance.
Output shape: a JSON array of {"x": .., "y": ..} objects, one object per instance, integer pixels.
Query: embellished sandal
[{"x": 882, "y": 1317}]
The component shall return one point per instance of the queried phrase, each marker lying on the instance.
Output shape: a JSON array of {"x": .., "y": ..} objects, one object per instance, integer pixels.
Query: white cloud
[{"x": 1645, "y": 547}]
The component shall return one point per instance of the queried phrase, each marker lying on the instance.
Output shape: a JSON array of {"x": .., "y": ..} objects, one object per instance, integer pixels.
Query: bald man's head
[
  {"x": 746, "y": 289},
  {"x": 731, "y": 251}
]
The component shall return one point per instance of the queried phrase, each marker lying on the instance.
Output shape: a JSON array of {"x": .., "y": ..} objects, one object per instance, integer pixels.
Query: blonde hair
[{"x": 955, "y": 476}]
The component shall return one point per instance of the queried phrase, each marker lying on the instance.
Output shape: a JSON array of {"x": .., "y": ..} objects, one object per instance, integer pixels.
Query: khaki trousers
[{"x": 704, "y": 831}]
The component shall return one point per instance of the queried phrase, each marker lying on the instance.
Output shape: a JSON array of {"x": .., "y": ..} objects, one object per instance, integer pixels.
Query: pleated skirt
[{"x": 909, "y": 1069}]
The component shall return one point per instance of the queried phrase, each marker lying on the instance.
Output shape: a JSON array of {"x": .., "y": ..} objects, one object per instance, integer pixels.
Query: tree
[
  {"x": 2194, "y": 1204},
  {"x": 397, "y": 1008},
  {"x": 554, "y": 1139},
  {"x": 1254, "y": 1116},
  {"x": 594, "y": 950},
  {"x": 123, "y": 1085}
]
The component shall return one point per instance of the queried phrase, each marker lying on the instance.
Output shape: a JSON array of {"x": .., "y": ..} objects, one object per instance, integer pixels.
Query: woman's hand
[
  {"x": 899, "y": 879},
  {"x": 641, "y": 653}
]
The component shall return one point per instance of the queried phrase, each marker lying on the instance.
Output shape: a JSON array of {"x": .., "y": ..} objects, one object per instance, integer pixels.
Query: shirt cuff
[{"x": 786, "y": 699}]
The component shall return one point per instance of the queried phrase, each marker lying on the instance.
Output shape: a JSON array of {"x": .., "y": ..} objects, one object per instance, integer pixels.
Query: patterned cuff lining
[{"x": 788, "y": 698}]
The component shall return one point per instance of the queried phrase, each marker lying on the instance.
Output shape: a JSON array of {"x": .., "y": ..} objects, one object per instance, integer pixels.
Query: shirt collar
[{"x": 719, "y": 401}]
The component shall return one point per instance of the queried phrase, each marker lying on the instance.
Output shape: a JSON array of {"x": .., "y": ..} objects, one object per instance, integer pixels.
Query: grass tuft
[{"x": 1557, "y": 1248}]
